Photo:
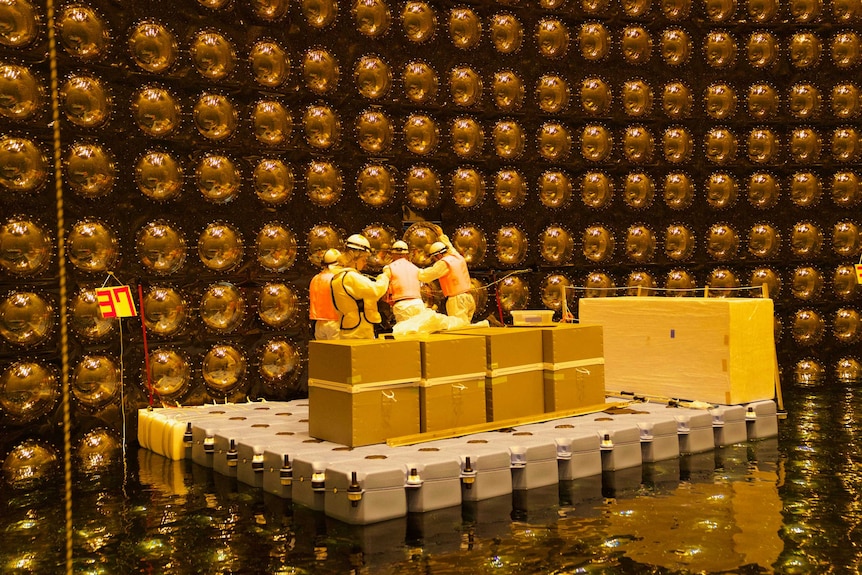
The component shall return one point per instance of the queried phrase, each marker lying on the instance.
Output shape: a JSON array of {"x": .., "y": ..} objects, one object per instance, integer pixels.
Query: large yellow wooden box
[
  {"x": 514, "y": 395},
  {"x": 510, "y": 347},
  {"x": 356, "y": 361},
  {"x": 355, "y": 415},
  {"x": 362, "y": 392},
  {"x": 574, "y": 371},
  {"x": 717, "y": 350},
  {"x": 452, "y": 389},
  {"x": 514, "y": 385}
]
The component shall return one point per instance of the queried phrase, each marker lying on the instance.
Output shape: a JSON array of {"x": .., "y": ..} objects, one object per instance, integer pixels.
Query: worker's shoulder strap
[
  {"x": 360, "y": 304},
  {"x": 339, "y": 277}
]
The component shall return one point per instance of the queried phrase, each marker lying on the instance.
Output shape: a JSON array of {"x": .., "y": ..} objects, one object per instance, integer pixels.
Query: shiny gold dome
[
  {"x": 153, "y": 47},
  {"x": 222, "y": 307},
  {"x": 468, "y": 187},
  {"x": 273, "y": 181},
  {"x": 277, "y": 306},
  {"x": 276, "y": 247},
  {"x": 510, "y": 189},
  {"x": 215, "y": 116},
  {"x": 158, "y": 175},
  {"x": 372, "y": 76},
  {"x": 21, "y": 95},
  {"x": 165, "y": 311},
  {"x": 270, "y": 64},
  {"x": 422, "y": 187},
  {"x": 323, "y": 183},
  {"x": 161, "y": 247},
  {"x": 218, "y": 178},
  {"x": 511, "y": 245},
  {"x": 555, "y": 189},
  {"x": 220, "y": 246},
  {"x": 25, "y": 247},
  {"x": 92, "y": 246},
  {"x": 375, "y": 185},
  {"x": 213, "y": 55},
  {"x": 271, "y": 122}
]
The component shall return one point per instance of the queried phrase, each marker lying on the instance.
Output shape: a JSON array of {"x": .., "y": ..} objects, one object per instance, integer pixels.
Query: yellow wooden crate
[
  {"x": 359, "y": 361},
  {"x": 355, "y": 415},
  {"x": 718, "y": 350}
]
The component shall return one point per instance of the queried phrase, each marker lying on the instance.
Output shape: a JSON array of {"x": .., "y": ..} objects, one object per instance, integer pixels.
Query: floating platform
[{"x": 266, "y": 445}]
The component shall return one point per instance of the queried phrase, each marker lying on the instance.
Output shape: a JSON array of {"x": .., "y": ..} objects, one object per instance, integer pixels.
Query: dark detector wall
[{"x": 209, "y": 151}]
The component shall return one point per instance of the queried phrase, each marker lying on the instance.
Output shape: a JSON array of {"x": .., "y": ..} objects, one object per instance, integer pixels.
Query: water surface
[{"x": 790, "y": 504}]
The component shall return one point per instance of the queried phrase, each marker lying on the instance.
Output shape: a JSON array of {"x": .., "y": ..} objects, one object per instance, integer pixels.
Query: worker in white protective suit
[
  {"x": 321, "y": 307},
  {"x": 356, "y": 295},
  {"x": 450, "y": 268},
  {"x": 411, "y": 313}
]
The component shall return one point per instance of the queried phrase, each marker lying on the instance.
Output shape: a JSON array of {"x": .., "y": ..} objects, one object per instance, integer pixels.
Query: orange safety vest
[
  {"x": 457, "y": 281},
  {"x": 404, "y": 282},
  {"x": 320, "y": 304}
]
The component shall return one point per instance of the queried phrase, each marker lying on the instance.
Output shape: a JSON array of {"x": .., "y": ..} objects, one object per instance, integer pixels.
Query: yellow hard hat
[
  {"x": 331, "y": 256},
  {"x": 399, "y": 247},
  {"x": 358, "y": 242},
  {"x": 437, "y": 248}
]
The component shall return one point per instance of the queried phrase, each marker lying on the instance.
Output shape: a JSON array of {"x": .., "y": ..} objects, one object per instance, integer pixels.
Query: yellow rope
[{"x": 61, "y": 257}]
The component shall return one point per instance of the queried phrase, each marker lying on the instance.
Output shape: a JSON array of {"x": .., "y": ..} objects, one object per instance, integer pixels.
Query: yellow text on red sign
[{"x": 116, "y": 301}]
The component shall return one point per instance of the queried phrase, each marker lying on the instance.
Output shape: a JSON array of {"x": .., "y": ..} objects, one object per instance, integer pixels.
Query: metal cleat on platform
[
  {"x": 761, "y": 419},
  {"x": 533, "y": 457},
  {"x": 728, "y": 424},
  {"x": 485, "y": 467},
  {"x": 659, "y": 440},
  {"x": 252, "y": 464},
  {"x": 225, "y": 457},
  {"x": 433, "y": 478},
  {"x": 695, "y": 431},
  {"x": 619, "y": 442},
  {"x": 311, "y": 464},
  {"x": 658, "y": 430},
  {"x": 578, "y": 453},
  {"x": 363, "y": 491}
]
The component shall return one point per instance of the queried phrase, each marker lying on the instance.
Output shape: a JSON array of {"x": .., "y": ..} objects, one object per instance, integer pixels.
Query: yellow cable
[{"x": 61, "y": 257}]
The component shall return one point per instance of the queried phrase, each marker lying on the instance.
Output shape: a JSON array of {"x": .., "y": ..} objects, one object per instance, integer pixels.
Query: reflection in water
[{"x": 786, "y": 505}]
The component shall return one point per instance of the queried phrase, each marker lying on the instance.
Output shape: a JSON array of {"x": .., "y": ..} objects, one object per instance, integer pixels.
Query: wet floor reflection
[{"x": 785, "y": 505}]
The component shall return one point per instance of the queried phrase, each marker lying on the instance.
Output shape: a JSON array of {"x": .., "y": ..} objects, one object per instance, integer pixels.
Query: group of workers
[{"x": 343, "y": 301}]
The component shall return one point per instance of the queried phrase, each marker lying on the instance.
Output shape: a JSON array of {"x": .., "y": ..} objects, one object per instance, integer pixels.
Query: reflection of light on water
[
  {"x": 221, "y": 555},
  {"x": 688, "y": 553},
  {"x": 796, "y": 564},
  {"x": 153, "y": 546},
  {"x": 703, "y": 526},
  {"x": 24, "y": 562},
  {"x": 95, "y": 537},
  {"x": 22, "y": 525},
  {"x": 612, "y": 543}
]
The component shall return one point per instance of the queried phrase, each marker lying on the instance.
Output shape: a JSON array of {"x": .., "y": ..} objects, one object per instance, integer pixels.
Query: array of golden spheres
[{"x": 90, "y": 167}]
